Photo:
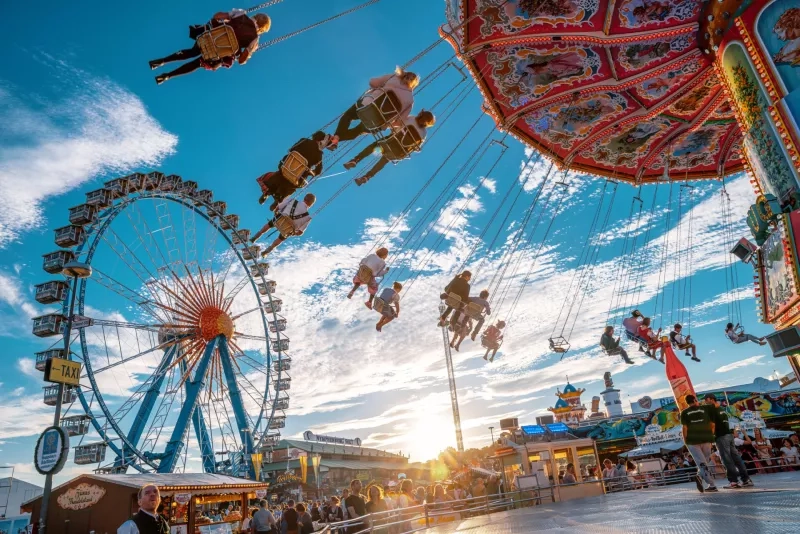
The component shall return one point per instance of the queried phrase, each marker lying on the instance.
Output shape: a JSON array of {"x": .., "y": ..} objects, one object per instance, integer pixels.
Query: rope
[
  {"x": 625, "y": 257},
  {"x": 259, "y": 7},
  {"x": 311, "y": 27}
]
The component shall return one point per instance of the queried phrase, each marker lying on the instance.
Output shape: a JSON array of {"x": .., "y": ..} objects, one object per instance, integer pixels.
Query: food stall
[{"x": 100, "y": 503}]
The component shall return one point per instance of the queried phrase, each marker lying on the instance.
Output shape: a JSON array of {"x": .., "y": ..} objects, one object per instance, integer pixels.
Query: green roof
[
  {"x": 328, "y": 448},
  {"x": 338, "y": 464}
]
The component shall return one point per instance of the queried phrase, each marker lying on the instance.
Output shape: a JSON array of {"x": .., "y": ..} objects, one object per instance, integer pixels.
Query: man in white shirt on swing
[{"x": 296, "y": 211}]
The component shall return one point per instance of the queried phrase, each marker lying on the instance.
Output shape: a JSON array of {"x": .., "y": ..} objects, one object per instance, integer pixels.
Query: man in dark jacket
[
  {"x": 146, "y": 520},
  {"x": 276, "y": 185},
  {"x": 458, "y": 286},
  {"x": 246, "y": 29},
  {"x": 734, "y": 466},
  {"x": 611, "y": 345}
]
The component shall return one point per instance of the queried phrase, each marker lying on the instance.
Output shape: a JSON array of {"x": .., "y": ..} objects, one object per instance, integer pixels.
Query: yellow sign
[{"x": 63, "y": 372}]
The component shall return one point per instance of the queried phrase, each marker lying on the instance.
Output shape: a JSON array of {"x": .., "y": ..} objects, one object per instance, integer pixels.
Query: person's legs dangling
[
  {"x": 369, "y": 149},
  {"x": 280, "y": 239},
  {"x": 478, "y": 327},
  {"x": 186, "y": 68},
  {"x": 343, "y": 130},
  {"x": 373, "y": 171},
  {"x": 264, "y": 230}
]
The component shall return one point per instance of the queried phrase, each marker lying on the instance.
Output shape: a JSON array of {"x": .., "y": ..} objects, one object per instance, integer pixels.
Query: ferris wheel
[{"x": 185, "y": 360}]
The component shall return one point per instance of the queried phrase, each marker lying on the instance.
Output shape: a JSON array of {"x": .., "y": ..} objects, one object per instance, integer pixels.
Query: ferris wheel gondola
[{"x": 190, "y": 344}]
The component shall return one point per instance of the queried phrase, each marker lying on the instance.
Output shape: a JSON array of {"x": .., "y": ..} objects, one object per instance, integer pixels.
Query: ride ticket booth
[{"x": 100, "y": 503}]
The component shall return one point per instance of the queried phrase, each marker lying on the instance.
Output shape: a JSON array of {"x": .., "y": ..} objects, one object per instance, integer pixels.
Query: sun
[{"x": 432, "y": 433}]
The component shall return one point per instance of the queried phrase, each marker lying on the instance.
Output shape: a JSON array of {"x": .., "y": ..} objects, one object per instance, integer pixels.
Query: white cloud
[
  {"x": 97, "y": 128},
  {"x": 754, "y": 360}
]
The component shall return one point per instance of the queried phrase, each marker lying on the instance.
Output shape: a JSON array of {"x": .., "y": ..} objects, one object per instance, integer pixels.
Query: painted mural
[
  {"x": 565, "y": 123},
  {"x": 510, "y": 16},
  {"x": 525, "y": 73},
  {"x": 638, "y": 56},
  {"x": 639, "y": 13},
  {"x": 657, "y": 87},
  {"x": 779, "y": 29},
  {"x": 776, "y": 280},
  {"x": 767, "y": 405},
  {"x": 626, "y": 148},
  {"x": 696, "y": 99},
  {"x": 763, "y": 149},
  {"x": 724, "y": 111},
  {"x": 697, "y": 148}
]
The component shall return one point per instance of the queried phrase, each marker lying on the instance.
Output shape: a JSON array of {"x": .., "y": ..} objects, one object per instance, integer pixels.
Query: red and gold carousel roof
[{"x": 603, "y": 86}]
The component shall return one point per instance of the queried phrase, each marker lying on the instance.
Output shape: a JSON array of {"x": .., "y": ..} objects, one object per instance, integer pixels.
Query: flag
[{"x": 303, "y": 468}]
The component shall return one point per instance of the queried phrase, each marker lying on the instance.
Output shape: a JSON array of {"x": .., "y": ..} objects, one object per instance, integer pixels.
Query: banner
[
  {"x": 304, "y": 468},
  {"x": 315, "y": 462},
  {"x": 257, "y": 458}
]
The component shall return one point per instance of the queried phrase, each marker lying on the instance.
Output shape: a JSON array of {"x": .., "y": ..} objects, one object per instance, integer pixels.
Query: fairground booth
[{"x": 101, "y": 503}]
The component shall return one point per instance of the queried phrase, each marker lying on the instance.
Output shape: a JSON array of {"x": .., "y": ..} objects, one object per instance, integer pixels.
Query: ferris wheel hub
[{"x": 213, "y": 322}]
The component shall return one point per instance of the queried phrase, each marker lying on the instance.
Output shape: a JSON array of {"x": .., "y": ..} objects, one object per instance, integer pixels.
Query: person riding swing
[
  {"x": 388, "y": 305},
  {"x": 291, "y": 218},
  {"x": 652, "y": 338},
  {"x": 461, "y": 330},
  {"x": 455, "y": 295},
  {"x": 408, "y": 142},
  {"x": 389, "y": 97},
  {"x": 492, "y": 338},
  {"x": 370, "y": 270},
  {"x": 225, "y": 38},
  {"x": 302, "y": 163},
  {"x": 737, "y": 335}
]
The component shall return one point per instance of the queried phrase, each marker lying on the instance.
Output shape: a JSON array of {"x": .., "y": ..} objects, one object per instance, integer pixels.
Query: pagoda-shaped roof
[{"x": 570, "y": 391}]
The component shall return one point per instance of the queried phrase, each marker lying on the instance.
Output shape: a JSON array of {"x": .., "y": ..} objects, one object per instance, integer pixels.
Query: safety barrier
[{"x": 424, "y": 516}]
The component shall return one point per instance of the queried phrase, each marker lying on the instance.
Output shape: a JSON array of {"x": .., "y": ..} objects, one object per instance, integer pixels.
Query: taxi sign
[{"x": 63, "y": 371}]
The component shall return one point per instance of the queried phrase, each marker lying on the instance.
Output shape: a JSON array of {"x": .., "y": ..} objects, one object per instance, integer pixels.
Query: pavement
[{"x": 771, "y": 507}]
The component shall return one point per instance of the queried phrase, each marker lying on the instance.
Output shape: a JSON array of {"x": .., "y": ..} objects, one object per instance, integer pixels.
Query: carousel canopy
[{"x": 614, "y": 88}]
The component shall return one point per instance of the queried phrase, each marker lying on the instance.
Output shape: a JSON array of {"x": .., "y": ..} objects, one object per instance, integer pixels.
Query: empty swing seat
[
  {"x": 559, "y": 345},
  {"x": 400, "y": 144},
  {"x": 217, "y": 43},
  {"x": 376, "y": 115},
  {"x": 294, "y": 168}
]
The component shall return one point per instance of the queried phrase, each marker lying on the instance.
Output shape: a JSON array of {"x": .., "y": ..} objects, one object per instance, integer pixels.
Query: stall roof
[
  {"x": 196, "y": 483},
  {"x": 653, "y": 448}
]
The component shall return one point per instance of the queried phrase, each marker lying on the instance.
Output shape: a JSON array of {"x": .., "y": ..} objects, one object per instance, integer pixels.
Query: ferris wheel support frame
[{"x": 235, "y": 396}]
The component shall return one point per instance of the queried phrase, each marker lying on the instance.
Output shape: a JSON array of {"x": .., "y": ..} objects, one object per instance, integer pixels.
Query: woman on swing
[
  {"x": 401, "y": 85},
  {"x": 278, "y": 186},
  {"x": 737, "y": 335},
  {"x": 245, "y": 28},
  {"x": 653, "y": 341}
]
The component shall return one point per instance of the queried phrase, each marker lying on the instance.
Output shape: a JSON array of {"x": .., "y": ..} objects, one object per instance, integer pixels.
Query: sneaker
[
  {"x": 350, "y": 164},
  {"x": 711, "y": 489},
  {"x": 486, "y": 357},
  {"x": 649, "y": 354},
  {"x": 748, "y": 483},
  {"x": 695, "y": 358},
  {"x": 688, "y": 353},
  {"x": 378, "y": 328},
  {"x": 662, "y": 360},
  {"x": 349, "y": 295},
  {"x": 629, "y": 361},
  {"x": 473, "y": 336},
  {"x": 155, "y": 64},
  {"x": 161, "y": 78},
  {"x": 263, "y": 198},
  {"x": 368, "y": 304},
  {"x": 762, "y": 343},
  {"x": 732, "y": 485},
  {"x": 699, "y": 482},
  {"x": 492, "y": 358},
  {"x": 641, "y": 349},
  {"x": 361, "y": 181},
  {"x": 456, "y": 347}
]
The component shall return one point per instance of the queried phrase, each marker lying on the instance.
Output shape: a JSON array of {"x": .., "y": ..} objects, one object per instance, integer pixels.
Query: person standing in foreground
[
  {"x": 698, "y": 434},
  {"x": 734, "y": 466},
  {"x": 263, "y": 520},
  {"x": 355, "y": 505},
  {"x": 146, "y": 520}
]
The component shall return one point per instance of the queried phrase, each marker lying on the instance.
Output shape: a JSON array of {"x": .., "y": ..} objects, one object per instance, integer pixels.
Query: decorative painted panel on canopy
[{"x": 602, "y": 86}]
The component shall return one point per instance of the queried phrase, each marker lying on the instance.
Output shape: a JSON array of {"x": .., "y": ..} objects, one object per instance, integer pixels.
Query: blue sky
[{"x": 80, "y": 107}]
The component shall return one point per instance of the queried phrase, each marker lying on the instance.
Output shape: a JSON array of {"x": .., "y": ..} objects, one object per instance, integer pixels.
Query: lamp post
[
  {"x": 491, "y": 429},
  {"x": 74, "y": 270}
]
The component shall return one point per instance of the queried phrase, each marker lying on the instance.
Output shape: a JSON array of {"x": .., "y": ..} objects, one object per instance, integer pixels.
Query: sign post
[{"x": 74, "y": 270}]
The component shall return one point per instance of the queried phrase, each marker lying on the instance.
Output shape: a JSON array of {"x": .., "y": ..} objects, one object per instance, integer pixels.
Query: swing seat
[
  {"x": 217, "y": 43},
  {"x": 453, "y": 300},
  {"x": 633, "y": 337},
  {"x": 559, "y": 345},
  {"x": 376, "y": 115},
  {"x": 365, "y": 275},
  {"x": 378, "y": 305},
  {"x": 474, "y": 311},
  {"x": 490, "y": 343},
  {"x": 284, "y": 226},
  {"x": 294, "y": 168},
  {"x": 400, "y": 144}
]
